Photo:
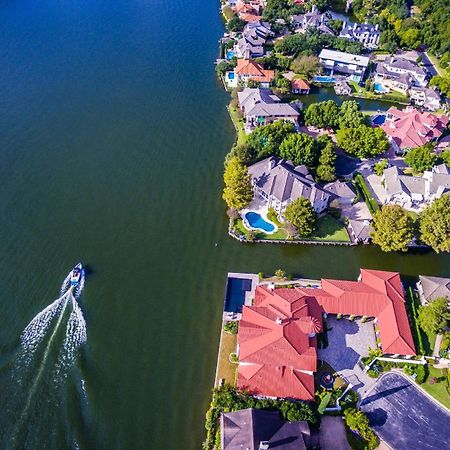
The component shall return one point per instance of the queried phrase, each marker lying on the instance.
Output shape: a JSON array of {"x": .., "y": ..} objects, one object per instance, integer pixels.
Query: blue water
[
  {"x": 379, "y": 88},
  {"x": 378, "y": 119},
  {"x": 230, "y": 54},
  {"x": 235, "y": 295},
  {"x": 324, "y": 79},
  {"x": 231, "y": 75},
  {"x": 256, "y": 221}
]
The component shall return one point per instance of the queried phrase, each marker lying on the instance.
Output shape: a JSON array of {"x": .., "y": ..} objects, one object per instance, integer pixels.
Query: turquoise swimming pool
[
  {"x": 324, "y": 79},
  {"x": 379, "y": 88},
  {"x": 256, "y": 221}
]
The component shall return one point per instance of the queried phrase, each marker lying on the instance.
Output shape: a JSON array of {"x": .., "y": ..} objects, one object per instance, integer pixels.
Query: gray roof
[
  {"x": 360, "y": 228},
  {"x": 353, "y": 31},
  {"x": 340, "y": 189},
  {"x": 404, "y": 64},
  {"x": 435, "y": 287},
  {"x": 247, "y": 428},
  {"x": 402, "y": 78},
  {"x": 396, "y": 182},
  {"x": 280, "y": 179},
  {"x": 249, "y": 97}
]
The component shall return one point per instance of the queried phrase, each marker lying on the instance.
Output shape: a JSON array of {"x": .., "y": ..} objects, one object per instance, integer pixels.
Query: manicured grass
[
  {"x": 239, "y": 124},
  {"x": 329, "y": 229},
  {"x": 390, "y": 97},
  {"x": 226, "y": 369},
  {"x": 439, "y": 389}
]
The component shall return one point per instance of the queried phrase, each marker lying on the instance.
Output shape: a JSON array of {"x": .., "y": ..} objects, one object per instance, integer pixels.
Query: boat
[{"x": 76, "y": 275}]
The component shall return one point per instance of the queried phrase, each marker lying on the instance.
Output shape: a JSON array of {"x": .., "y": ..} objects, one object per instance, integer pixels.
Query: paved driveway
[
  {"x": 347, "y": 341},
  {"x": 404, "y": 416}
]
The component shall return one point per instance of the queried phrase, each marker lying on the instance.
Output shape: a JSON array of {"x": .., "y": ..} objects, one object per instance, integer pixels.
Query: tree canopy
[
  {"x": 350, "y": 115},
  {"x": 301, "y": 214},
  {"x": 322, "y": 114},
  {"x": 326, "y": 170},
  {"x": 393, "y": 228},
  {"x": 363, "y": 141},
  {"x": 308, "y": 66},
  {"x": 300, "y": 149},
  {"x": 265, "y": 141},
  {"x": 435, "y": 225},
  {"x": 433, "y": 317},
  {"x": 421, "y": 158},
  {"x": 238, "y": 191}
]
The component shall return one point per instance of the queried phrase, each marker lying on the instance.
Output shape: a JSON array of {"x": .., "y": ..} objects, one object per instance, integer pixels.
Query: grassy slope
[
  {"x": 439, "y": 389},
  {"x": 226, "y": 369}
]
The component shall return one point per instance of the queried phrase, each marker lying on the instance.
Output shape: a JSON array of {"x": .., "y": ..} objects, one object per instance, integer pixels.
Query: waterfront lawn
[
  {"x": 226, "y": 369},
  {"x": 390, "y": 97},
  {"x": 329, "y": 229},
  {"x": 438, "y": 390},
  {"x": 239, "y": 124}
]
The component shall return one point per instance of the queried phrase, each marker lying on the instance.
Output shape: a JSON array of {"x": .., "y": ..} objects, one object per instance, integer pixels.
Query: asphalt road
[
  {"x": 428, "y": 65},
  {"x": 404, "y": 417}
]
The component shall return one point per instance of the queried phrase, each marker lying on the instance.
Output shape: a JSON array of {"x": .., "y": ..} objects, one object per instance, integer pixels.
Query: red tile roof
[
  {"x": 254, "y": 70},
  {"x": 277, "y": 347},
  {"x": 298, "y": 83},
  {"x": 411, "y": 128}
]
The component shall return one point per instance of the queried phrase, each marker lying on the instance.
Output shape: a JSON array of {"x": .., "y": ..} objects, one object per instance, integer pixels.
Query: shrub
[
  {"x": 231, "y": 327},
  {"x": 324, "y": 403},
  {"x": 280, "y": 273},
  {"x": 339, "y": 317},
  {"x": 234, "y": 358},
  {"x": 421, "y": 372}
]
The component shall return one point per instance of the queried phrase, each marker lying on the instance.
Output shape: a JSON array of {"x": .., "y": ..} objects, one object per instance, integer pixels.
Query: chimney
[
  {"x": 272, "y": 163},
  {"x": 263, "y": 445},
  {"x": 376, "y": 27},
  {"x": 278, "y": 321},
  {"x": 314, "y": 9},
  {"x": 354, "y": 26},
  {"x": 271, "y": 286}
]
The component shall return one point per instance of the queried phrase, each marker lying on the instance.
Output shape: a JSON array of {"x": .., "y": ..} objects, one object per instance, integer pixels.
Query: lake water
[{"x": 113, "y": 131}]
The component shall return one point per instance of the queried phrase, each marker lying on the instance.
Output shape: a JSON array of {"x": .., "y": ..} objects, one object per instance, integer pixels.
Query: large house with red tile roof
[
  {"x": 411, "y": 128},
  {"x": 247, "y": 70},
  {"x": 277, "y": 342}
]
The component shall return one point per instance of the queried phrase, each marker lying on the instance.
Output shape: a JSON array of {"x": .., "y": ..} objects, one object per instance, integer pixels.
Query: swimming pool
[
  {"x": 235, "y": 293},
  {"x": 324, "y": 79},
  {"x": 230, "y": 54},
  {"x": 231, "y": 75},
  {"x": 256, "y": 221},
  {"x": 379, "y": 88},
  {"x": 378, "y": 119}
]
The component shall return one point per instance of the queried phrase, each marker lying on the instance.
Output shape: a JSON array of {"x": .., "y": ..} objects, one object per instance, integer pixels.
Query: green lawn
[
  {"x": 393, "y": 96},
  {"x": 226, "y": 369},
  {"x": 435, "y": 62},
  {"x": 239, "y": 124},
  {"x": 360, "y": 184},
  {"x": 439, "y": 389},
  {"x": 328, "y": 229}
]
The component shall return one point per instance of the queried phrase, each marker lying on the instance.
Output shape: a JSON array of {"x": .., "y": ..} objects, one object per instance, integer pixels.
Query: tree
[
  {"x": 301, "y": 214},
  {"x": 380, "y": 166},
  {"x": 223, "y": 66},
  {"x": 389, "y": 41},
  {"x": 435, "y": 224},
  {"x": 421, "y": 158},
  {"x": 322, "y": 114},
  {"x": 236, "y": 24},
  {"x": 433, "y": 317},
  {"x": 266, "y": 140},
  {"x": 326, "y": 170},
  {"x": 445, "y": 157},
  {"x": 300, "y": 149},
  {"x": 442, "y": 83},
  {"x": 280, "y": 273},
  {"x": 238, "y": 191},
  {"x": 356, "y": 420},
  {"x": 283, "y": 84},
  {"x": 362, "y": 141},
  {"x": 350, "y": 115},
  {"x": 307, "y": 66},
  {"x": 290, "y": 230},
  {"x": 393, "y": 228},
  {"x": 411, "y": 38}
]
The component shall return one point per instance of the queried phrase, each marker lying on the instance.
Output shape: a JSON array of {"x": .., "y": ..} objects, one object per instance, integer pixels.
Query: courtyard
[{"x": 348, "y": 341}]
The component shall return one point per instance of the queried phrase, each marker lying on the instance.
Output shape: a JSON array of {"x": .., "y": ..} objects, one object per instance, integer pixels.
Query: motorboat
[{"x": 76, "y": 275}]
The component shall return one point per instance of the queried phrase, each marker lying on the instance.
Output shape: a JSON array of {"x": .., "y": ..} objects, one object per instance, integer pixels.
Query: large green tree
[
  {"x": 238, "y": 191},
  {"x": 363, "y": 141},
  {"x": 435, "y": 224},
  {"x": 433, "y": 317},
  {"x": 307, "y": 66},
  {"x": 301, "y": 214},
  {"x": 393, "y": 228},
  {"x": 421, "y": 158},
  {"x": 300, "y": 149},
  {"x": 322, "y": 114},
  {"x": 350, "y": 115},
  {"x": 326, "y": 170},
  {"x": 266, "y": 140}
]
